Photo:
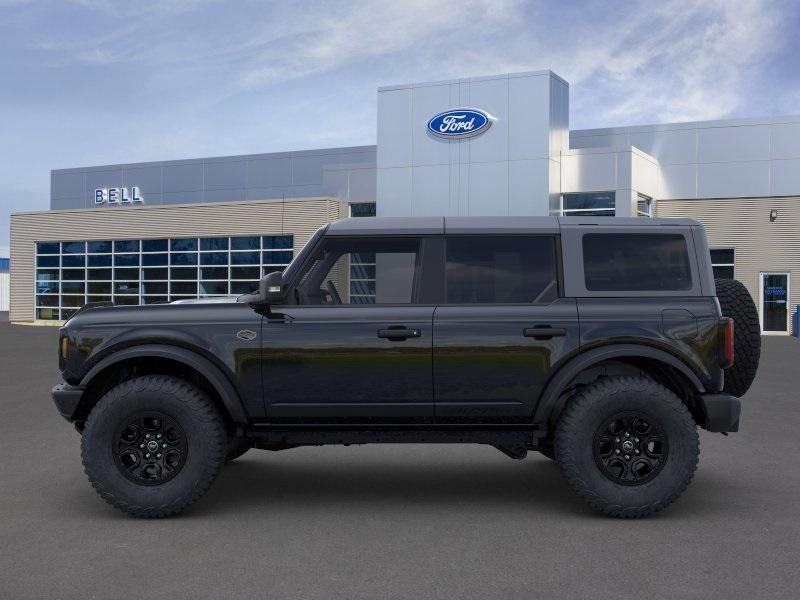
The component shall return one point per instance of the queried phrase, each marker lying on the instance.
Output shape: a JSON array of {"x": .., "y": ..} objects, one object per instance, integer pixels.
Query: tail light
[
  {"x": 726, "y": 329},
  {"x": 63, "y": 348}
]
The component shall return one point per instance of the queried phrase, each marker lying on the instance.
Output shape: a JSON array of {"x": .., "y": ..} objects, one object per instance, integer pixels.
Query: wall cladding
[
  {"x": 743, "y": 224},
  {"x": 713, "y": 159},
  {"x": 510, "y": 169},
  {"x": 300, "y": 217},
  {"x": 226, "y": 179}
]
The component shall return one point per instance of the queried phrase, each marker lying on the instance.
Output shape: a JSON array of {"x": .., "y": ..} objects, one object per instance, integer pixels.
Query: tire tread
[
  {"x": 204, "y": 412},
  {"x": 580, "y": 404},
  {"x": 736, "y": 303}
]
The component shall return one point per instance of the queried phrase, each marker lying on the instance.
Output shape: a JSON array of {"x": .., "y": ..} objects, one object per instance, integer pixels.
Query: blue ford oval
[{"x": 460, "y": 123}]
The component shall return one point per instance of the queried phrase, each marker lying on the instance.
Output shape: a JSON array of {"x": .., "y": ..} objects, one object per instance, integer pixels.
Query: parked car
[{"x": 603, "y": 343}]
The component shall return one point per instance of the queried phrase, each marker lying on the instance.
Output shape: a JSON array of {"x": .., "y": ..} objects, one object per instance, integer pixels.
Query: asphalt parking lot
[{"x": 396, "y": 521}]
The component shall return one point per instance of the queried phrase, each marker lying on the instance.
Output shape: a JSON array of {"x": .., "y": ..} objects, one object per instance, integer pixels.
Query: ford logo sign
[{"x": 459, "y": 123}]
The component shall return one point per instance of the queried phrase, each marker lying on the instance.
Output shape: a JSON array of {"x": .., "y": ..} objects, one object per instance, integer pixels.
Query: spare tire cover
[{"x": 735, "y": 301}]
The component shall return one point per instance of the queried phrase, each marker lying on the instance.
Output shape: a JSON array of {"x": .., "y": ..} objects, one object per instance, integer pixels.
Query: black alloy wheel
[
  {"x": 630, "y": 448},
  {"x": 150, "y": 448}
]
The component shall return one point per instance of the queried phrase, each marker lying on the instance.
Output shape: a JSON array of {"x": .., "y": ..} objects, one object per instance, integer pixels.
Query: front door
[
  {"x": 501, "y": 330},
  {"x": 356, "y": 346},
  {"x": 774, "y": 304}
]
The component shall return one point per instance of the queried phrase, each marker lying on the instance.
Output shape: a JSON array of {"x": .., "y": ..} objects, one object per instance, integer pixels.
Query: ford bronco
[{"x": 602, "y": 343}]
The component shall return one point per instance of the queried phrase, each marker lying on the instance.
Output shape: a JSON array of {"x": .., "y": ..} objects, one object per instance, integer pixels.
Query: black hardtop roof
[{"x": 467, "y": 225}]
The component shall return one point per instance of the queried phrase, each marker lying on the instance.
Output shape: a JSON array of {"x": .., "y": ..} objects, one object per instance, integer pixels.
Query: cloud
[
  {"x": 94, "y": 82},
  {"x": 687, "y": 61},
  {"x": 675, "y": 60},
  {"x": 332, "y": 37}
]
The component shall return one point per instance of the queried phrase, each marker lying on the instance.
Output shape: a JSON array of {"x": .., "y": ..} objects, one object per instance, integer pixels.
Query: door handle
[
  {"x": 400, "y": 334},
  {"x": 544, "y": 333}
]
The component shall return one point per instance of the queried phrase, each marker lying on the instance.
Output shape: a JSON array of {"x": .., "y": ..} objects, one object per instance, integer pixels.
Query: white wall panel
[
  {"x": 667, "y": 147},
  {"x": 488, "y": 189},
  {"x": 785, "y": 177},
  {"x": 394, "y": 191},
  {"x": 588, "y": 172},
  {"x": 732, "y": 158},
  {"x": 529, "y": 136},
  {"x": 733, "y": 179},
  {"x": 4, "y": 291},
  {"x": 610, "y": 140},
  {"x": 785, "y": 140},
  {"x": 430, "y": 190},
  {"x": 559, "y": 117},
  {"x": 492, "y": 96},
  {"x": 526, "y": 181},
  {"x": 394, "y": 131},
  {"x": 645, "y": 174},
  {"x": 726, "y": 144},
  {"x": 678, "y": 181}
]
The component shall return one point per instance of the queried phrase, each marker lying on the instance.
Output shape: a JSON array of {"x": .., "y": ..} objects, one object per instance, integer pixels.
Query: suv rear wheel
[
  {"x": 627, "y": 445},
  {"x": 153, "y": 445}
]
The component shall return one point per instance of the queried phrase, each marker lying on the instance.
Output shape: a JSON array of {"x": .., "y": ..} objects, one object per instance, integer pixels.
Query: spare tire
[{"x": 735, "y": 301}]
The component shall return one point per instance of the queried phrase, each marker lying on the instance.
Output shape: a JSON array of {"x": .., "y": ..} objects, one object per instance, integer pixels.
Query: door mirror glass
[{"x": 270, "y": 290}]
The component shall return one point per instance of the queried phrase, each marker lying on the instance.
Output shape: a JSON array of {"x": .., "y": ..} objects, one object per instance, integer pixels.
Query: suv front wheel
[
  {"x": 627, "y": 445},
  {"x": 153, "y": 445}
]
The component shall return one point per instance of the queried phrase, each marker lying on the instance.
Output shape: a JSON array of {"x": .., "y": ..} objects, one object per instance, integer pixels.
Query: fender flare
[
  {"x": 548, "y": 402},
  {"x": 221, "y": 384}
]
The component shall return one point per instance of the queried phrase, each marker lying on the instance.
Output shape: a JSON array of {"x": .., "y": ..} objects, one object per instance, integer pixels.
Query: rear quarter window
[{"x": 616, "y": 262}]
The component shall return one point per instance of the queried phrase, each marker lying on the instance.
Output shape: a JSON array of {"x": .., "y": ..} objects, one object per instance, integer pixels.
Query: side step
[{"x": 500, "y": 437}]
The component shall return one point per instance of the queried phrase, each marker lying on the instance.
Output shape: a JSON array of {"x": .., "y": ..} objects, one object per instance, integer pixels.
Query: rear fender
[{"x": 549, "y": 405}]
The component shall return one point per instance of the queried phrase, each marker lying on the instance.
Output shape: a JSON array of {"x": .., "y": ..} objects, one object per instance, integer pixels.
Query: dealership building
[{"x": 486, "y": 146}]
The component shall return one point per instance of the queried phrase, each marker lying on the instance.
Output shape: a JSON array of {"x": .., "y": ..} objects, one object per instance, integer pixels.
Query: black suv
[{"x": 601, "y": 343}]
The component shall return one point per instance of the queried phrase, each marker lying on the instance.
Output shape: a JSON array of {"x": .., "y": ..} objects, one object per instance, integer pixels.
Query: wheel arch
[
  {"x": 657, "y": 363},
  {"x": 214, "y": 380}
]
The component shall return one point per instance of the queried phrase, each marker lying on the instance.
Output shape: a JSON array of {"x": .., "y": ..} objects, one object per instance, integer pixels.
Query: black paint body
[{"x": 469, "y": 365}]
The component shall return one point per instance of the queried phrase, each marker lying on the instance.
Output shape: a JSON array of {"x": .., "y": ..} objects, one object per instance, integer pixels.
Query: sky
[{"x": 94, "y": 82}]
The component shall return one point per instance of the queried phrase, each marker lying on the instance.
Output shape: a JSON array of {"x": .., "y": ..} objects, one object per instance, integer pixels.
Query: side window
[
  {"x": 501, "y": 269},
  {"x": 636, "y": 262},
  {"x": 361, "y": 271}
]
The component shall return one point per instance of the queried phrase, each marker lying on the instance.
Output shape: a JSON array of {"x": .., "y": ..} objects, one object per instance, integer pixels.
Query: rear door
[{"x": 501, "y": 329}]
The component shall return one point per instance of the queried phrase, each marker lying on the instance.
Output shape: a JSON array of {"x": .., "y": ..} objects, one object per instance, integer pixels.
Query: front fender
[{"x": 216, "y": 377}]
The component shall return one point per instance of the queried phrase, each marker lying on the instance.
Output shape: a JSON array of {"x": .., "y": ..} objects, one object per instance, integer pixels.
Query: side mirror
[{"x": 270, "y": 290}]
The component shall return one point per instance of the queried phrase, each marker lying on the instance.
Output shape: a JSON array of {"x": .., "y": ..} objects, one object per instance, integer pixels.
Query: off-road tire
[
  {"x": 186, "y": 405},
  {"x": 735, "y": 301},
  {"x": 588, "y": 410},
  {"x": 236, "y": 447}
]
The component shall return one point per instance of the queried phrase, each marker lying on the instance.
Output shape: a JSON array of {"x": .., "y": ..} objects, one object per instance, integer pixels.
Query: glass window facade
[
  {"x": 70, "y": 274},
  {"x": 644, "y": 206},
  {"x": 362, "y": 209},
  {"x": 362, "y": 271},
  {"x": 722, "y": 260},
  {"x": 588, "y": 204}
]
